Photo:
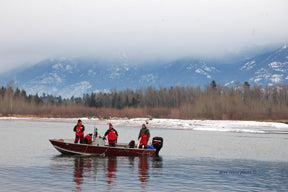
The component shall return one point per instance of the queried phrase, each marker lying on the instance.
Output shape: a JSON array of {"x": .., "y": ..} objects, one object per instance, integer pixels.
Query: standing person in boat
[
  {"x": 112, "y": 135},
  {"x": 144, "y": 134},
  {"x": 79, "y": 132}
]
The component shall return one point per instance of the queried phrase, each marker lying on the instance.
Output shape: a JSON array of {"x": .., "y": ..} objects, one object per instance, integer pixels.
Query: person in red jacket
[
  {"x": 112, "y": 135},
  {"x": 88, "y": 139},
  {"x": 144, "y": 134},
  {"x": 79, "y": 132}
]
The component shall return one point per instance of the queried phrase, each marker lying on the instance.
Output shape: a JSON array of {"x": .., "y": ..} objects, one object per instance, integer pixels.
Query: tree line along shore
[{"x": 216, "y": 102}]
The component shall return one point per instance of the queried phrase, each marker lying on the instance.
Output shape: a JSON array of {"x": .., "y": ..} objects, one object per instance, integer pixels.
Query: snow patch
[
  {"x": 61, "y": 66},
  {"x": 51, "y": 78},
  {"x": 69, "y": 67},
  {"x": 229, "y": 83},
  {"x": 278, "y": 66},
  {"x": 193, "y": 125},
  {"x": 57, "y": 66},
  {"x": 198, "y": 71},
  {"x": 54, "y": 89},
  {"x": 76, "y": 89},
  {"x": 91, "y": 72},
  {"x": 257, "y": 80},
  {"x": 202, "y": 72},
  {"x": 209, "y": 125},
  {"x": 207, "y": 69},
  {"x": 276, "y": 78},
  {"x": 247, "y": 66}
]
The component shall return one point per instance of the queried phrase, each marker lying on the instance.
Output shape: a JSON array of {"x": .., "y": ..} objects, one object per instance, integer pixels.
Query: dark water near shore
[{"x": 190, "y": 161}]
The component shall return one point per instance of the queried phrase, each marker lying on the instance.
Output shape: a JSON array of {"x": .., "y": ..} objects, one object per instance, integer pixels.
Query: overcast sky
[{"x": 31, "y": 30}]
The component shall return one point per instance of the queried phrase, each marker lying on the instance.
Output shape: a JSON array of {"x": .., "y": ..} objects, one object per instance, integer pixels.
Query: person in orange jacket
[
  {"x": 79, "y": 132},
  {"x": 144, "y": 134},
  {"x": 112, "y": 135},
  {"x": 88, "y": 139}
]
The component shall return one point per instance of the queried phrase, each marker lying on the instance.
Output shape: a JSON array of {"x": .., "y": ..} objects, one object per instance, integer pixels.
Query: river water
[{"x": 189, "y": 161}]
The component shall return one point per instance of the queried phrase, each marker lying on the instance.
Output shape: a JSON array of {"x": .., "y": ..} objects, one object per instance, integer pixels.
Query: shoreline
[
  {"x": 285, "y": 121},
  {"x": 239, "y": 126}
]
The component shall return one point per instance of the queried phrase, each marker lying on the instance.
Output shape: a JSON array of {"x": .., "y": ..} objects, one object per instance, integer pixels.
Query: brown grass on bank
[
  {"x": 128, "y": 112},
  {"x": 106, "y": 113}
]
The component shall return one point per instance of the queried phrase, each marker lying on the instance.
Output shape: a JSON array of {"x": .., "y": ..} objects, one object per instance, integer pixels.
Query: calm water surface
[{"x": 190, "y": 161}]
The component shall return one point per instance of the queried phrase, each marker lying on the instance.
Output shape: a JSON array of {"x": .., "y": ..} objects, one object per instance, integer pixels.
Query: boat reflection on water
[
  {"x": 107, "y": 170},
  {"x": 143, "y": 169},
  {"x": 111, "y": 171},
  {"x": 82, "y": 168},
  {"x": 78, "y": 172}
]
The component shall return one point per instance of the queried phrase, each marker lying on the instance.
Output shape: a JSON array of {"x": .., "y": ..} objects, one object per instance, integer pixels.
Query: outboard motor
[{"x": 157, "y": 143}]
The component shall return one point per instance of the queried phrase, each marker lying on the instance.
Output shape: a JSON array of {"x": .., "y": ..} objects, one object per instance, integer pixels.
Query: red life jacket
[
  {"x": 79, "y": 129},
  {"x": 144, "y": 140},
  {"x": 89, "y": 139},
  {"x": 112, "y": 135}
]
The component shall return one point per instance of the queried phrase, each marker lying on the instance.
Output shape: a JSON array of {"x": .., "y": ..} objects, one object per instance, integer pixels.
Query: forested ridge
[{"x": 211, "y": 102}]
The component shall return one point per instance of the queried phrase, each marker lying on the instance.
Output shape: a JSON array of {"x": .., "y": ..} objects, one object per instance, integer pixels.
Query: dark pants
[
  {"x": 79, "y": 137},
  {"x": 112, "y": 143}
]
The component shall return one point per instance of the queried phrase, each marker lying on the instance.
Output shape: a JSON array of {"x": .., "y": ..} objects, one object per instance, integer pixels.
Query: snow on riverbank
[
  {"x": 210, "y": 125},
  {"x": 196, "y": 125}
]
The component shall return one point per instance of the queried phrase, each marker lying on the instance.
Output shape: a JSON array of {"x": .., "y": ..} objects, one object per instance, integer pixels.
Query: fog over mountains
[{"x": 68, "y": 77}]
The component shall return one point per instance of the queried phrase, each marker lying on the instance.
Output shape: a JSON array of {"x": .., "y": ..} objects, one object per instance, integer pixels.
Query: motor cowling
[{"x": 157, "y": 143}]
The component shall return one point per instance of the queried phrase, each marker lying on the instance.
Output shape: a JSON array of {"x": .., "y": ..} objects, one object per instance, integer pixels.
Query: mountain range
[{"x": 68, "y": 77}]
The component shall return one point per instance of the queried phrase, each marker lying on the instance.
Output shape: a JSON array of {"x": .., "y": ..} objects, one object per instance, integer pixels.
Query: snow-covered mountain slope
[
  {"x": 74, "y": 77},
  {"x": 268, "y": 69},
  {"x": 68, "y": 77}
]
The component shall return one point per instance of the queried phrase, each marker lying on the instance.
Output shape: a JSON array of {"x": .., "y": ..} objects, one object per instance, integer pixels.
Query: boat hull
[{"x": 68, "y": 147}]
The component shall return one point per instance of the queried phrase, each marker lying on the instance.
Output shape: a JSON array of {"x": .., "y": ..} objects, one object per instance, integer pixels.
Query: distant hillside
[
  {"x": 267, "y": 69},
  {"x": 76, "y": 76}
]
